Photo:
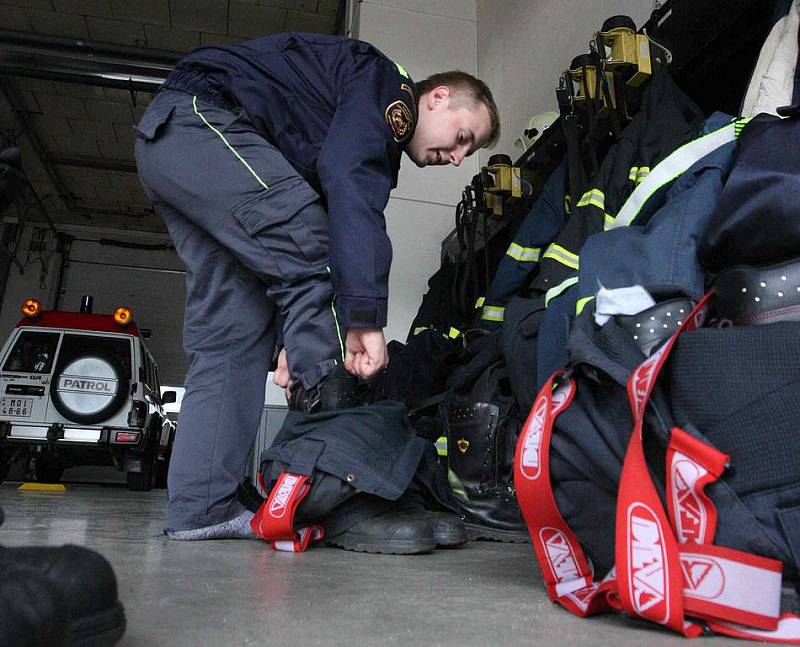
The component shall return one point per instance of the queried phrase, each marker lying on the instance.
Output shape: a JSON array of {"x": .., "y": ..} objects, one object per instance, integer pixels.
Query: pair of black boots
[{"x": 57, "y": 597}]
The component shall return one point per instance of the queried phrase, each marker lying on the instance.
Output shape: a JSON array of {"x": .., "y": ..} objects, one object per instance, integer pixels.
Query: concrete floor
[{"x": 243, "y": 593}]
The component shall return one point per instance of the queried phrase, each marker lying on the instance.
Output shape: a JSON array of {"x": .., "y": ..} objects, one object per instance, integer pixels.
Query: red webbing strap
[
  {"x": 274, "y": 520},
  {"x": 566, "y": 570},
  {"x": 691, "y": 465}
]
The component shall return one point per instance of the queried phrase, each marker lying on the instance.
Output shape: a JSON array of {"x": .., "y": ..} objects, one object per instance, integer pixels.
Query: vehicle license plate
[{"x": 17, "y": 407}]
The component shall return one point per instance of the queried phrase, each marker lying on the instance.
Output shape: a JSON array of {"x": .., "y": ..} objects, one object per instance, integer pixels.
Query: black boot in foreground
[
  {"x": 34, "y": 613},
  {"x": 77, "y": 582},
  {"x": 86, "y": 581}
]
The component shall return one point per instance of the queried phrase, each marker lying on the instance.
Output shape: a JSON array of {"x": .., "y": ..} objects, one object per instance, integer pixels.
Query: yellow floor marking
[{"x": 43, "y": 487}]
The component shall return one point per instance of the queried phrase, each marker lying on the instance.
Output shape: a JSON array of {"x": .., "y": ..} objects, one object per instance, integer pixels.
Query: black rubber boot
[
  {"x": 389, "y": 533},
  {"x": 449, "y": 530},
  {"x": 80, "y": 577},
  {"x": 340, "y": 390},
  {"x": 480, "y": 458},
  {"x": 34, "y": 613}
]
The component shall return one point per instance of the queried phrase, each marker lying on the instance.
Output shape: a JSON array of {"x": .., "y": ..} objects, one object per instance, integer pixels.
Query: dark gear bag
[{"x": 718, "y": 444}]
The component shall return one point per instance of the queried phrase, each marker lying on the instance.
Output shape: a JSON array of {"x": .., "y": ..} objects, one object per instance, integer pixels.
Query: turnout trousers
[{"x": 253, "y": 236}]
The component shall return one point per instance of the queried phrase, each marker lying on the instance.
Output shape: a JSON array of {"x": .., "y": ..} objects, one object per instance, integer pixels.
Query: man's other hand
[
  {"x": 281, "y": 375},
  {"x": 365, "y": 352}
]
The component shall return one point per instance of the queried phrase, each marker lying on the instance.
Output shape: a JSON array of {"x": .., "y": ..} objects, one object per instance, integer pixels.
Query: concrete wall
[
  {"x": 425, "y": 37},
  {"x": 524, "y": 46}
]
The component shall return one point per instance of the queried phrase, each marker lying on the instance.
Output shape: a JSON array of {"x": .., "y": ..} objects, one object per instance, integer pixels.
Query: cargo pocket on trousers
[
  {"x": 292, "y": 230},
  {"x": 152, "y": 120}
]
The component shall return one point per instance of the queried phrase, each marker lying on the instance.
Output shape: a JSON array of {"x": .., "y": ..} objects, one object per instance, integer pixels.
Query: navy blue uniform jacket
[{"x": 341, "y": 113}]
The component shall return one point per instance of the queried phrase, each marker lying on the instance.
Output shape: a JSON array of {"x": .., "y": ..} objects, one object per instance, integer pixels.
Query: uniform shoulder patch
[{"x": 400, "y": 119}]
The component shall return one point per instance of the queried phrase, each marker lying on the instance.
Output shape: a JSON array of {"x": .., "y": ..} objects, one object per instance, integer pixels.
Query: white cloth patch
[{"x": 621, "y": 301}]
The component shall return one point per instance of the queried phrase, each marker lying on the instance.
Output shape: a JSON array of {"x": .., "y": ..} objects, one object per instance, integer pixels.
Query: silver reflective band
[
  {"x": 670, "y": 168},
  {"x": 553, "y": 292},
  {"x": 563, "y": 256},
  {"x": 493, "y": 313},
  {"x": 523, "y": 254}
]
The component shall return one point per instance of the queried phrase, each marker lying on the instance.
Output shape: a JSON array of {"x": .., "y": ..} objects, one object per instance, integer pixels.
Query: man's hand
[
  {"x": 281, "y": 375},
  {"x": 365, "y": 352}
]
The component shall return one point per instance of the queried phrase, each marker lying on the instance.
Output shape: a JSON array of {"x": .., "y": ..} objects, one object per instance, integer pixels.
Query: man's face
[{"x": 448, "y": 129}]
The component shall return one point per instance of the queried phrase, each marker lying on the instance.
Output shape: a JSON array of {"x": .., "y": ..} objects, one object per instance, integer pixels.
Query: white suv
[{"x": 82, "y": 389}]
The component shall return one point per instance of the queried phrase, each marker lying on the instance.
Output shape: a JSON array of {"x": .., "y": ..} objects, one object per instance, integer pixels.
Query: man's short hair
[{"x": 467, "y": 86}]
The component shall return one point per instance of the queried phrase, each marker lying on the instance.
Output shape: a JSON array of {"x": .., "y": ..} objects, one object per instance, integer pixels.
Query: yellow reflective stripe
[
  {"x": 232, "y": 149},
  {"x": 563, "y": 256},
  {"x": 567, "y": 204},
  {"x": 479, "y": 302},
  {"x": 453, "y": 333},
  {"x": 553, "y": 292},
  {"x": 608, "y": 221},
  {"x": 595, "y": 197},
  {"x": 493, "y": 313},
  {"x": 441, "y": 445},
  {"x": 581, "y": 304},
  {"x": 336, "y": 321},
  {"x": 739, "y": 125},
  {"x": 419, "y": 329},
  {"x": 401, "y": 69},
  {"x": 524, "y": 254},
  {"x": 638, "y": 173}
]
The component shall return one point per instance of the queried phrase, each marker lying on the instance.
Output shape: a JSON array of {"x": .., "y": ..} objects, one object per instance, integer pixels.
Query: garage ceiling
[{"x": 74, "y": 128}]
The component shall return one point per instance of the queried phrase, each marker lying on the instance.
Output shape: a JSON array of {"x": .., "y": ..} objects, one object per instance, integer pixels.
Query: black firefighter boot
[
  {"x": 368, "y": 524},
  {"x": 339, "y": 390},
  {"x": 480, "y": 454},
  {"x": 71, "y": 585},
  {"x": 34, "y": 612}
]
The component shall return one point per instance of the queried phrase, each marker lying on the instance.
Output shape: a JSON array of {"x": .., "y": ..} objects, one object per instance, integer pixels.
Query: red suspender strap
[
  {"x": 649, "y": 578},
  {"x": 566, "y": 570},
  {"x": 274, "y": 520},
  {"x": 691, "y": 465}
]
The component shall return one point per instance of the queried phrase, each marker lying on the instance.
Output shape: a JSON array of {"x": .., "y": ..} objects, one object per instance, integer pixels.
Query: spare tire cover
[{"x": 89, "y": 389}]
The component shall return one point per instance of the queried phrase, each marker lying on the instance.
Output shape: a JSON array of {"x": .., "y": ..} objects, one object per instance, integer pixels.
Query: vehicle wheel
[
  {"x": 90, "y": 388},
  {"x": 6, "y": 462},
  {"x": 161, "y": 471},
  {"x": 47, "y": 470},
  {"x": 140, "y": 481}
]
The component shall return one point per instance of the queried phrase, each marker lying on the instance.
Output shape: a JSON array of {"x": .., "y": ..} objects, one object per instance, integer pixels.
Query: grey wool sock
[{"x": 238, "y": 528}]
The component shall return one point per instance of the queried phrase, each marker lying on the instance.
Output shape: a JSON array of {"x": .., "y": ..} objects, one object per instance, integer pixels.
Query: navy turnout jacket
[{"x": 341, "y": 113}]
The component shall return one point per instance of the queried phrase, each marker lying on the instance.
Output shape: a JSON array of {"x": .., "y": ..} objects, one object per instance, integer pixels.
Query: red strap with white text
[
  {"x": 274, "y": 520},
  {"x": 567, "y": 572}
]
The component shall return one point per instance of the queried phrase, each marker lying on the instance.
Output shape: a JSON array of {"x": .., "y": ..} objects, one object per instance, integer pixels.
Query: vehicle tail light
[
  {"x": 127, "y": 437},
  {"x": 123, "y": 315},
  {"x": 31, "y": 308},
  {"x": 137, "y": 414}
]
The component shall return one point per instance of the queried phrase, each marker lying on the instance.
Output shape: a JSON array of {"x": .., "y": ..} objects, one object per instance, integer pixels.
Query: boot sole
[
  {"x": 453, "y": 540},
  {"x": 100, "y": 629},
  {"x": 396, "y": 547},
  {"x": 476, "y": 532}
]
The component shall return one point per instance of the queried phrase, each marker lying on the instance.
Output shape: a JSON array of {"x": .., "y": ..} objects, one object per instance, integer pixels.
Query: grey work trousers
[{"x": 253, "y": 236}]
